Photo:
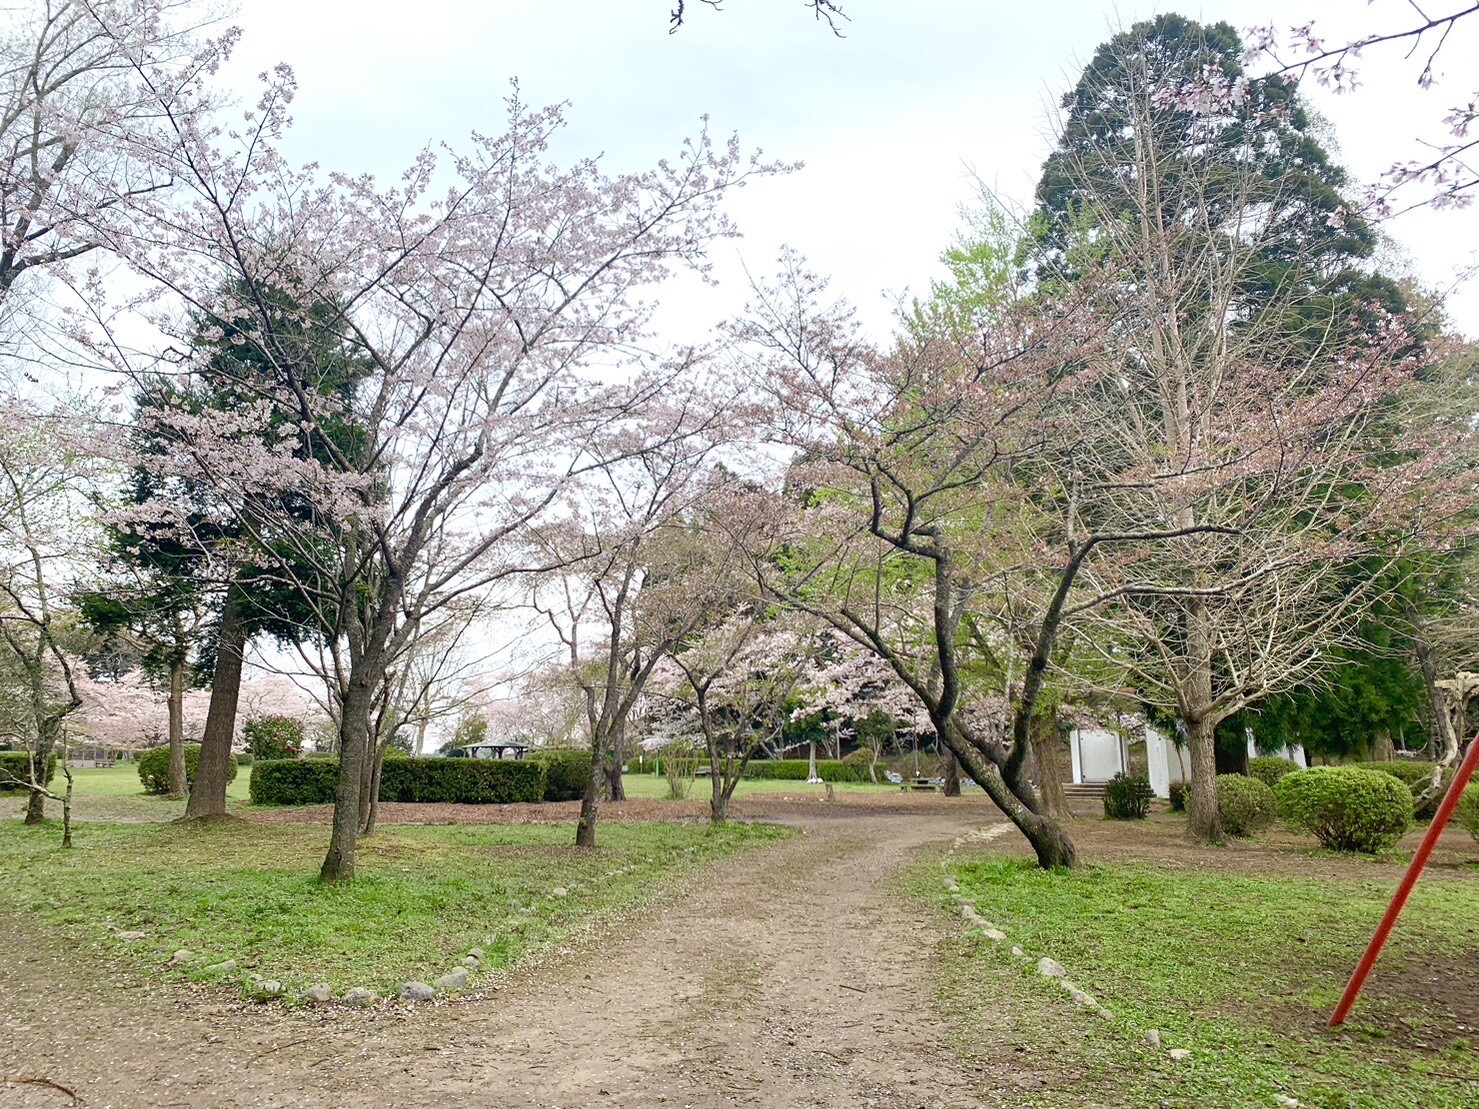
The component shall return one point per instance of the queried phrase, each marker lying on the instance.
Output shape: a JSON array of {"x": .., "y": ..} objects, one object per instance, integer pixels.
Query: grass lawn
[
  {"x": 422, "y": 897},
  {"x": 1240, "y": 968}
]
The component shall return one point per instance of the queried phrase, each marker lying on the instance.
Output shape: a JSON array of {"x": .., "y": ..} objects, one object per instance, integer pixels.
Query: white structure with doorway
[{"x": 1098, "y": 755}]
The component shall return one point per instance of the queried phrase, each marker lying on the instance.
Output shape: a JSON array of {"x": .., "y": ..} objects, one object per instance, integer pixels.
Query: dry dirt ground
[{"x": 799, "y": 976}]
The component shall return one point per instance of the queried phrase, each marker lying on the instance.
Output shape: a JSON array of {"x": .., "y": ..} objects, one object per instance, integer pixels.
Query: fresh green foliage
[
  {"x": 154, "y": 767},
  {"x": 1346, "y": 808},
  {"x": 1268, "y": 769},
  {"x": 1246, "y": 805},
  {"x": 829, "y": 770},
  {"x": 1178, "y": 793},
  {"x": 421, "y": 897},
  {"x": 1127, "y": 798},
  {"x": 294, "y": 781},
  {"x": 17, "y": 765},
  {"x": 274, "y": 736},
  {"x": 1415, "y": 776},
  {"x": 1467, "y": 813},
  {"x": 431, "y": 780},
  {"x": 565, "y": 773},
  {"x": 244, "y": 758},
  {"x": 1240, "y": 970}
]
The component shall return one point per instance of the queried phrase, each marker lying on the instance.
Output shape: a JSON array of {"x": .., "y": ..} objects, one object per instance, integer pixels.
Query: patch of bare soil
[{"x": 789, "y": 977}]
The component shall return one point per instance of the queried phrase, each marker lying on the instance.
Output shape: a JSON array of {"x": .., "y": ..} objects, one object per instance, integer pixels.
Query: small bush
[
  {"x": 1415, "y": 776},
  {"x": 1269, "y": 769},
  {"x": 17, "y": 765},
  {"x": 794, "y": 770},
  {"x": 1179, "y": 792},
  {"x": 1127, "y": 798},
  {"x": 565, "y": 773},
  {"x": 244, "y": 758},
  {"x": 1345, "y": 807},
  {"x": 1246, "y": 805},
  {"x": 293, "y": 781},
  {"x": 154, "y": 768},
  {"x": 1468, "y": 812},
  {"x": 273, "y": 736}
]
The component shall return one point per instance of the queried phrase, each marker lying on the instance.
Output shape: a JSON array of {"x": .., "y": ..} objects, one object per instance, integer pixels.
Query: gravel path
[{"x": 794, "y": 977}]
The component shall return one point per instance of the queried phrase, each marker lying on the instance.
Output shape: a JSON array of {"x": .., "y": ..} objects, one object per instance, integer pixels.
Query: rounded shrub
[
  {"x": 273, "y": 736},
  {"x": 1246, "y": 805},
  {"x": 1268, "y": 769},
  {"x": 1179, "y": 793},
  {"x": 566, "y": 773},
  {"x": 1415, "y": 775},
  {"x": 154, "y": 768},
  {"x": 1127, "y": 798},
  {"x": 1345, "y": 807},
  {"x": 1468, "y": 812}
]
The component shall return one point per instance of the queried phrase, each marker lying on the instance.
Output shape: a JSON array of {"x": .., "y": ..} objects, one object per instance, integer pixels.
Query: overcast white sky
[{"x": 890, "y": 120}]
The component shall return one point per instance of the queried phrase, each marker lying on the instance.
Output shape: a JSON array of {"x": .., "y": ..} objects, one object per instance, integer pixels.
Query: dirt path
[{"x": 795, "y": 977}]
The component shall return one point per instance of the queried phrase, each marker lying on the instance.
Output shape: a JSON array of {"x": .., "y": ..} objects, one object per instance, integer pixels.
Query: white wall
[{"x": 1098, "y": 755}]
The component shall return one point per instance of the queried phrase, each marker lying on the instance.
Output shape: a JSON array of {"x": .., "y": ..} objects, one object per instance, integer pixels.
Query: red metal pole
[{"x": 1414, "y": 871}]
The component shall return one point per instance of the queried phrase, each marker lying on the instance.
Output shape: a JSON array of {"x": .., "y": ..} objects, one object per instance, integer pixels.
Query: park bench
[{"x": 919, "y": 784}]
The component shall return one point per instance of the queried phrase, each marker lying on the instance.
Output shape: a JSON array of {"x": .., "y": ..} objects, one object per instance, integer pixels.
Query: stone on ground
[
  {"x": 1050, "y": 968},
  {"x": 359, "y": 996},
  {"x": 417, "y": 991},
  {"x": 452, "y": 981},
  {"x": 320, "y": 994}
]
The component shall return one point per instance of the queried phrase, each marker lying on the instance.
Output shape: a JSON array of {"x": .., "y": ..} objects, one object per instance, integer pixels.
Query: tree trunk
[
  {"x": 615, "y": 764},
  {"x": 1383, "y": 749},
  {"x": 952, "y": 774},
  {"x": 372, "y": 802},
  {"x": 590, "y": 802},
  {"x": 48, "y": 731},
  {"x": 208, "y": 792},
  {"x": 354, "y": 731},
  {"x": 1045, "y": 743},
  {"x": 811, "y": 761},
  {"x": 176, "y": 703},
  {"x": 1205, "y": 825}
]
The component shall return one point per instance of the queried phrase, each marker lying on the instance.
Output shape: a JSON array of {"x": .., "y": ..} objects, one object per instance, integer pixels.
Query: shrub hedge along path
[{"x": 830, "y": 969}]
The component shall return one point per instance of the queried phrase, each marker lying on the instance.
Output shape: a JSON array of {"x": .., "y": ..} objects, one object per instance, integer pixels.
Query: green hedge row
[
  {"x": 829, "y": 770},
  {"x": 1414, "y": 775},
  {"x": 154, "y": 767},
  {"x": 565, "y": 773},
  {"x": 17, "y": 765},
  {"x": 427, "y": 780}
]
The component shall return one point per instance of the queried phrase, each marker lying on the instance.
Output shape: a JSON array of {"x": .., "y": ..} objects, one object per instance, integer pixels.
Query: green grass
[
  {"x": 421, "y": 898},
  {"x": 1242, "y": 970}
]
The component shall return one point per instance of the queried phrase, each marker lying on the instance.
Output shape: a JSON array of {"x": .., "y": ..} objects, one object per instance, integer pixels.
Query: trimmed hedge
[
  {"x": 1414, "y": 775},
  {"x": 1345, "y": 807},
  {"x": 244, "y": 758},
  {"x": 17, "y": 764},
  {"x": 426, "y": 780},
  {"x": 293, "y": 781},
  {"x": 1245, "y": 805},
  {"x": 565, "y": 773},
  {"x": 1127, "y": 798},
  {"x": 1178, "y": 792},
  {"x": 1268, "y": 769},
  {"x": 154, "y": 768},
  {"x": 795, "y": 770}
]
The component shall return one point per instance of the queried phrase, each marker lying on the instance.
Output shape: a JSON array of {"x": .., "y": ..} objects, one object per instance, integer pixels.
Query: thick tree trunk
[
  {"x": 1205, "y": 825},
  {"x": 176, "y": 704},
  {"x": 208, "y": 793},
  {"x": 1045, "y": 744},
  {"x": 1383, "y": 749},
  {"x": 354, "y": 732},
  {"x": 952, "y": 774},
  {"x": 1049, "y": 841}
]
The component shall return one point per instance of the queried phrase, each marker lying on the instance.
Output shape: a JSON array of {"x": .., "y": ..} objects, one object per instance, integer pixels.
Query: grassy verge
[
  {"x": 1242, "y": 970},
  {"x": 423, "y": 896}
]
